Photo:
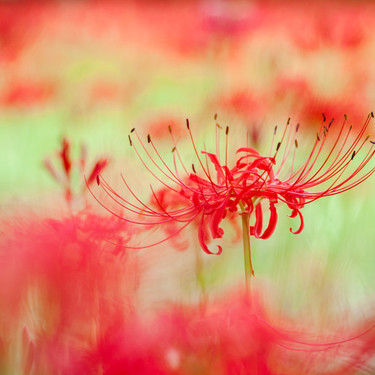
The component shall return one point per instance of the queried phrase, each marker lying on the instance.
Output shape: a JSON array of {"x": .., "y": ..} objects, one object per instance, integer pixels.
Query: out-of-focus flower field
[{"x": 75, "y": 79}]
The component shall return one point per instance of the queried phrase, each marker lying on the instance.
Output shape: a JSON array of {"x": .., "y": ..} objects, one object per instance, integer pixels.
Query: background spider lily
[{"x": 64, "y": 176}]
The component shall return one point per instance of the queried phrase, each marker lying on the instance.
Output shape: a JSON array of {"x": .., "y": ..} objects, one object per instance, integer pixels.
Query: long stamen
[
  {"x": 273, "y": 140},
  {"x": 337, "y": 165},
  {"x": 176, "y": 151},
  {"x": 218, "y": 128},
  {"x": 151, "y": 158},
  {"x": 196, "y": 152},
  {"x": 150, "y": 171},
  {"x": 289, "y": 145}
]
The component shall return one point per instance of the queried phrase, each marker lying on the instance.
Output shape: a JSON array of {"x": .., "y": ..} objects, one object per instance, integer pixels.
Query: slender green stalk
[
  {"x": 199, "y": 274},
  {"x": 249, "y": 271}
]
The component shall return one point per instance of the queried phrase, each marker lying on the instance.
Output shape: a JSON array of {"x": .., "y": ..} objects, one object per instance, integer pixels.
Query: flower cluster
[{"x": 338, "y": 161}]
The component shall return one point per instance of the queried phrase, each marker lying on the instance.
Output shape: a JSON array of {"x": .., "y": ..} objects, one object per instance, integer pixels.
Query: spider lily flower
[
  {"x": 63, "y": 174},
  {"x": 337, "y": 162}
]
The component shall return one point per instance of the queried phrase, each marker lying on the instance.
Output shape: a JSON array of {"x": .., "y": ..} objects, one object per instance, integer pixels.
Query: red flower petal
[
  {"x": 272, "y": 222},
  {"x": 202, "y": 238},
  {"x": 256, "y": 230},
  {"x": 294, "y": 214}
]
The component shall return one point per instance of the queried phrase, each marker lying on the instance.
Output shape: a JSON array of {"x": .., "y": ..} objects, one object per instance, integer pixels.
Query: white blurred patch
[{"x": 172, "y": 357}]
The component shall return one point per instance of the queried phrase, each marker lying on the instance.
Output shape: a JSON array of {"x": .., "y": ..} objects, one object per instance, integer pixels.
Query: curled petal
[
  {"x": 294, "y": 214},
  {"x": 202, "y": 239},
  {"x": 264, "y": 163},
  {"x": 256, "y": 229},
  {"x": 272, "y": 222},
  {"x": 215, "y": 221},
  {"x": 249, "y": 150}
]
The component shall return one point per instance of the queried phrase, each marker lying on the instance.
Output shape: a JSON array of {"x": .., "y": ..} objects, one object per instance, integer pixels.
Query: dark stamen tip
[
  {"x": 187, "y": 123},
  {"x": 130, "y": 140},
  {"x": 193, "y": 168},
  {"x": 173, "y": 149},
  {"x": 131, "y": 131},
  {"x": 325, "y": 128},
  {"x": 215, "y": 116},
  {"x": 373, "y": 142},
  {"x": 169, "y": 129},
  {"x": 275, "y": 130},
  {"x": 353, "y": 154},
  {"x": 317, "y": 137},
  {"x": 372, "y": 114},
  {"x": 278, "y": 146},
  {"x": 97, "y": 179},
  {"x": 351, "y": 126},
  {"x": 297, "y": 127},
  {"x": 324, "y": 117},
  {"x": 330, "y": 123},
  {"x": 345, "y": 117},
  {"x": 219, "y": 126},
  {"x": 148, "y": 138},
  {"x": 227, "y": 130},
  {"x": 296, "y": 143},
  {"x": 288, "y": 122}
]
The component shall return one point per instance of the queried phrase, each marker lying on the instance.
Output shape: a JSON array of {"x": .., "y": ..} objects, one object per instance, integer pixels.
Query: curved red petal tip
[
  {"x": 258, "y": 221},
  {"x": 249, "y": 150},
  {"x": 208, "y": 251},
  {"x": 219, "y": 251},
  {"x": 215, "y": 220},
  {"x": 271, "y": 224},
  {"x": 202, "y": 233},
  {"x": 302, "y": 225}
]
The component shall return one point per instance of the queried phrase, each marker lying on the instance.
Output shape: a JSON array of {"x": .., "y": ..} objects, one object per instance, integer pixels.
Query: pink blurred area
[
  {"x": 70, "y": 305},
  {"x": 39, "y": 41}
]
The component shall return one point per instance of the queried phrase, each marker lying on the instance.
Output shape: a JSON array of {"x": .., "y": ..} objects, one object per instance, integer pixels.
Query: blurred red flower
[{"x": 64, "y": 176}]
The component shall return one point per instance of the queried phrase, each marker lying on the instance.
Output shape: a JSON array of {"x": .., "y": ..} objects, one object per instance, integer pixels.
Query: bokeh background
[{"x": 90, "y": 71}]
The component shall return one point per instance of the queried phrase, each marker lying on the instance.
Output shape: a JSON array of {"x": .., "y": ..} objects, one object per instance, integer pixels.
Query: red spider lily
[{"x": 329, "y": 169}]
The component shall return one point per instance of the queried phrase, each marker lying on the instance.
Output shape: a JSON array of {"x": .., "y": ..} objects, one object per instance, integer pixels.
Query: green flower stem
[
  {"x": 199, "y": 274},
  {"x": 249, "y": 271}
]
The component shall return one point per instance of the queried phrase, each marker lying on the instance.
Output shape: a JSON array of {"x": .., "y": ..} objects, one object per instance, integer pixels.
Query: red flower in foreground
[
  {"x": 232, "y": 337},
  {"x": 337, "y": 162},
  {"x": 69, "y": 306}
]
